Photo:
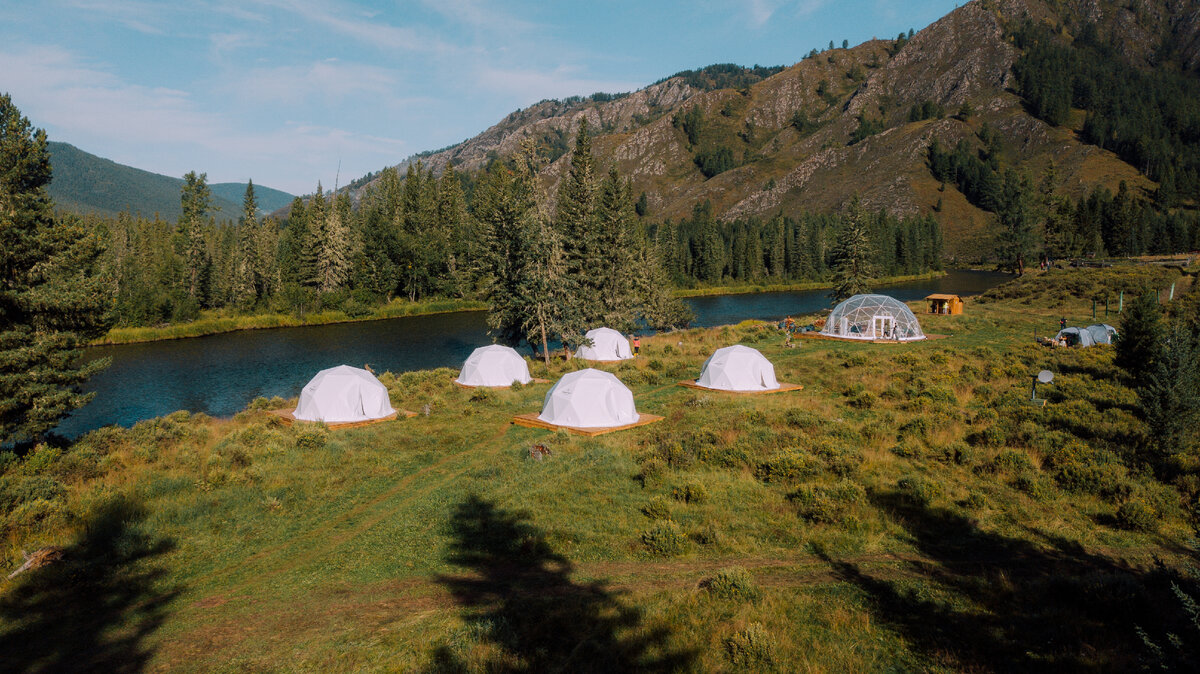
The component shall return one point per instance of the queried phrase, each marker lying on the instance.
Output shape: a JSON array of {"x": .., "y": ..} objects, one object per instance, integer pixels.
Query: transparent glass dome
[{"x": 873, "y": 317}]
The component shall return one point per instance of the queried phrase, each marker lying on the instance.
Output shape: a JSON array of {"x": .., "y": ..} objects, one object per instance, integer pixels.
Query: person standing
[{"x": 637, "y": 344}]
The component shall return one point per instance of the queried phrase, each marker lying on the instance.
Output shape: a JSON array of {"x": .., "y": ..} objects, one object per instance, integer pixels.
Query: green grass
[
  {"x": 747, "y": 289},
  {"x": 904, "y": 512},
  {"x": 217, "y": 321}
]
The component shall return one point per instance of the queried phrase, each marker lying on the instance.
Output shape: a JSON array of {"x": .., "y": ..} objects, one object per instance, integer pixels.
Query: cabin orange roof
[{"x": 940, "y": 296}]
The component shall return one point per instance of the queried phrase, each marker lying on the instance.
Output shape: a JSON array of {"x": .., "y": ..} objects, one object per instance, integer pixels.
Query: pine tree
[
  {"x": 614, "y": 242},
  {"x": 852, "y": 255},
  {"x": 575, "y": 221},
  {"x": 1140, "y": 345},
  {"x": 455, "y": 228},
  {"x": 52, "y": 298},
  {"x": 195, "y": 199},
  {"x": 246, "y": 284},
  {"x": 1169, "y": 393},
  {"x": 316, "y": 214},
  {"x": 335, "y": 247}
]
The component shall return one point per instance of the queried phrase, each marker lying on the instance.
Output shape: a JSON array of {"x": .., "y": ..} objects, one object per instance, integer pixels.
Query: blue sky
[{"x": 283, "y": 91}]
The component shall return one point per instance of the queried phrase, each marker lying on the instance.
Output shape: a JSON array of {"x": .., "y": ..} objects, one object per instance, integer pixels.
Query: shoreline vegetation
[{"x": 213, "y": 322}]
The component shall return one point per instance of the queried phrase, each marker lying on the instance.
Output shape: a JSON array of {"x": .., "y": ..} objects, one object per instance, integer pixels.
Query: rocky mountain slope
[{"x": 791, "y": 136}]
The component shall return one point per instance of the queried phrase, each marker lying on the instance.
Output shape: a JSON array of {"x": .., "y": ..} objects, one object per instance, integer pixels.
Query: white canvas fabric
[
  {"x": 494, "y": 365},
  {"x": 589, "y": 399},
  {"x": 1102, "y": 333},
  {"x": 873, "y": 317},
  {"x": 738, "y": 368},
  {"x": 1076, "y": 336},
  {"x": 343, "y": 394},
  {"x": 607, "y": 344}
]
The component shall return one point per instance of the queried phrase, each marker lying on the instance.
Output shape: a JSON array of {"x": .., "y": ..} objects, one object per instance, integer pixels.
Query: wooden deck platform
[
  {"x": 288, "y": 419},
  {"x": 531, "y": 420},
  {"x": 783, "y": 388},
  {"x": 533, "y": 381}
]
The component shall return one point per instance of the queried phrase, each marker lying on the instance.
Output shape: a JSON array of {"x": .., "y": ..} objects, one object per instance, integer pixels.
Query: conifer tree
[
  {"x": 1015, "y": 212},
  {"x": 1139, "y": 347},
  {"x": 316, "y": 214},
  {"x": 246, "y": 284},
  {"x": 614, "y": 241},
  {"x": 195, "y": 199},
  {"x": 1169, "y": 392},
  {"x": 335, "y": 247},
  {"x": 576, "y": 224},
  {"x": 52, "y": 298},
  {"x": 852, "y": 256}
]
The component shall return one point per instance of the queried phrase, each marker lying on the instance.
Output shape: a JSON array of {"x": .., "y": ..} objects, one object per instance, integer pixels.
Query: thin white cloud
[
  {"x": 352, "y": 22},
  {"x": 164, "y": 130},
  {"x": 806, "y": 7},
  {"x": 138, "y": 15},
  {"x": 479, "y": 14}
]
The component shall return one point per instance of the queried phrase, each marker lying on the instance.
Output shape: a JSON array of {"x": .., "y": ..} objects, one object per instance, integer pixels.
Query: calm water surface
[{"x": 219, "y": 374}]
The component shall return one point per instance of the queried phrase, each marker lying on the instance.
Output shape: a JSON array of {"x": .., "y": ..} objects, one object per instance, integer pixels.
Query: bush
[
  {"x": 16, "y": 490},
  {"x": 657, "y": 508},
  {"x": 797, "y": 418},
  {"x": 752, "y": 648},
  {"x": 664, "y": 539},
  {"x": 785, "y": 466},
  {"x": 40, "y": 460},
  {"x": 827, "y": 503},
  {"x": 734, "y": 582},
  {"x": 919, "y": 490},
  {"x": 918, "y": 427},
  {"x": 1137, "y": 515},
  {"x": 992, "y": 436},
  {"x": 692, "y": 492},
  {"x": 1010, "y": 462},
  {"x": 652, "y": 469},
  {"x": 35, "y": 515},
  {"x": 311, "y": 439}
]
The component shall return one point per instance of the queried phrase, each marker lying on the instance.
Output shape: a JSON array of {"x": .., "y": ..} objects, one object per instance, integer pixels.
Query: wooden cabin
[{"x": 944, "y": 304}]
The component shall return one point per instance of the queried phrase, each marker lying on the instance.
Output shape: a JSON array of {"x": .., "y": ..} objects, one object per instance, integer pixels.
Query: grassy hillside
[
  {"x": 85, "y": 183},
  {"x": 906, "y": 511}
]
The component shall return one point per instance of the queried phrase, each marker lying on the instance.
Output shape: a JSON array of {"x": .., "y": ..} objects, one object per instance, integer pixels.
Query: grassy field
[
  {"x": 782, "y": 287},
  {"x": 905, "y": 512}
]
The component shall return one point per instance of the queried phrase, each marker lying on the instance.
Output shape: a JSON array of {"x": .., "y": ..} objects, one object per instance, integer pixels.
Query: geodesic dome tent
[
  {"x": 343, "y": 394},
  {"x": 494, "y": 365},
  {"x": 607, "y": 345},
  {"x": 1102, "y": 333},
  {"x": 1076, "y": 337},
  {"x": 873, "y": 317},
  {"x": 589, "y": 399},
  {"x": 738, "y": 368}
]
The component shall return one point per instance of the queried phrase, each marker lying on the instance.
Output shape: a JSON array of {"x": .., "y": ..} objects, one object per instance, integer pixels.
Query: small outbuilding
[
  {"x": 589, "y": 399},
  {"x": 343, "y": 394},
  {"x": 738, "y": 368},
  {"x": 607, "y": 345},
  {"x": 873, "y": 318},
  {"x": 1102, "y": 333},
  {"x": 939, "y": 303},
  {"x": 494, "y": 365}
]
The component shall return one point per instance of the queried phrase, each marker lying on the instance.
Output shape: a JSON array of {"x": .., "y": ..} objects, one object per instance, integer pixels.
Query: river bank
[{"x": 218, "y": 322}]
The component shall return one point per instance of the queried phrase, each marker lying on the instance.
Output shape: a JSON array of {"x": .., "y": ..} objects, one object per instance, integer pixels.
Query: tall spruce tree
[
  {"x": 614, "y": 240},
  {"x": 1139, "y": 348},
  {"x": 335, "y": 247},
  {"x": 853, "y": 253},
  {"x": 1169, "y": 393},
  {"x": 52, "y": 298},
  {"x": 1016, "y": 214},
  {"x": 246, "y": 284},
  {"x": 575, "y": 221},
  {"x": 195, "y": 199}
]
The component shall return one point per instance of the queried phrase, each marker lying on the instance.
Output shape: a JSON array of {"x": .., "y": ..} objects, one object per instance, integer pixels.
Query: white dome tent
[
  {"x": 589, "y": 399},
  {"x": 873, "y": 317},
  {"x": 607, "y": 345},
  {"x": 343, "y": 394},
  {"x": 494, "y": 366},
  {"x": 738, "y": 368}
]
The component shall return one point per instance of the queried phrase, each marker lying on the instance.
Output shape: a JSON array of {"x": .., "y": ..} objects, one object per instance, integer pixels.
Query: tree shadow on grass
[
  {"x": 988, "y": 602},
  {"x": 522, "y": 601},
  {"x": 93, "y": 610}
]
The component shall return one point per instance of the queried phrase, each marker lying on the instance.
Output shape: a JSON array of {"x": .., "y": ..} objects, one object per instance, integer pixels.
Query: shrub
[
  {"x": 657, "y": 508},
  {"x": 37, "y": 514},
  {"x": 919, "y": 490},
  {"x": 992, "y": 436},
  {"x": 784, "y": 466},
  {"x": 973, "y": 501},
  {"x": 706, "y": 534},
  {"x": 908, "y": 449},
  {"x": 839, "y": 459},
  {"x": 1137, "y": 515},
  {"x": 311, "y": 439},
  {"x": 664, "y": 539},
  {"x": 827, "y": 503},
  {"x": 1033, "y": 485},
  {"x": 734, "y": 582},
  {"x": 752, "y": 648},
  {"x": 692, "y": 492},
  {"x": 1011, "y": 462},
  {"x": 917, "y": 427},
  {"x": 40, "y": 460},
  {"x": 78, "y": 464},
  {"x": 16, "y": 490}
]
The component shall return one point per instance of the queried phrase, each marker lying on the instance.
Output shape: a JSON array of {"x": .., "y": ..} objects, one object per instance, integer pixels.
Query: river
[{"x": 220, "y": 374}]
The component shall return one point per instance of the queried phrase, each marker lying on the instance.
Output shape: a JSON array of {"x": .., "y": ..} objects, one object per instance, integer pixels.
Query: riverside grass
[
  {"x": 212, "y": 322},
  {"x": 904, "y": 512}
]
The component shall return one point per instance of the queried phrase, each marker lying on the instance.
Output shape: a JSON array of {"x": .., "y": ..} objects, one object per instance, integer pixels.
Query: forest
[{"x": 420, "y": 235}]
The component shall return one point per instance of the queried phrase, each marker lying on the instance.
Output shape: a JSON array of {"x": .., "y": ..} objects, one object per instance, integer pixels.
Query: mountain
[
  {"x": 268, "y": 199},
  {"x": 855, "y": 121},
  {"x": 85, "y": 183}
]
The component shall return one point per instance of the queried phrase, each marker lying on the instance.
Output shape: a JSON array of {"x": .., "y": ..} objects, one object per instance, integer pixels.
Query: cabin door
[{"x": 882, "y": 327}]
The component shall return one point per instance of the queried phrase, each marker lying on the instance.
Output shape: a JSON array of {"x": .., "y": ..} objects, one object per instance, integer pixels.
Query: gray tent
[
  {"x": 1076, "y": 337},
  {"x": 1102, "y": 333}
]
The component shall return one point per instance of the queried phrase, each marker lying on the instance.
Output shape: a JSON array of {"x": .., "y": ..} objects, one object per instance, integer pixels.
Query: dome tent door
[{"x": 883, "y": 327}]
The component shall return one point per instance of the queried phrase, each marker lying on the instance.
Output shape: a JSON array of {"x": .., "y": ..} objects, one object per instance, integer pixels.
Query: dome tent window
[{"x": 871, "y": 318}]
